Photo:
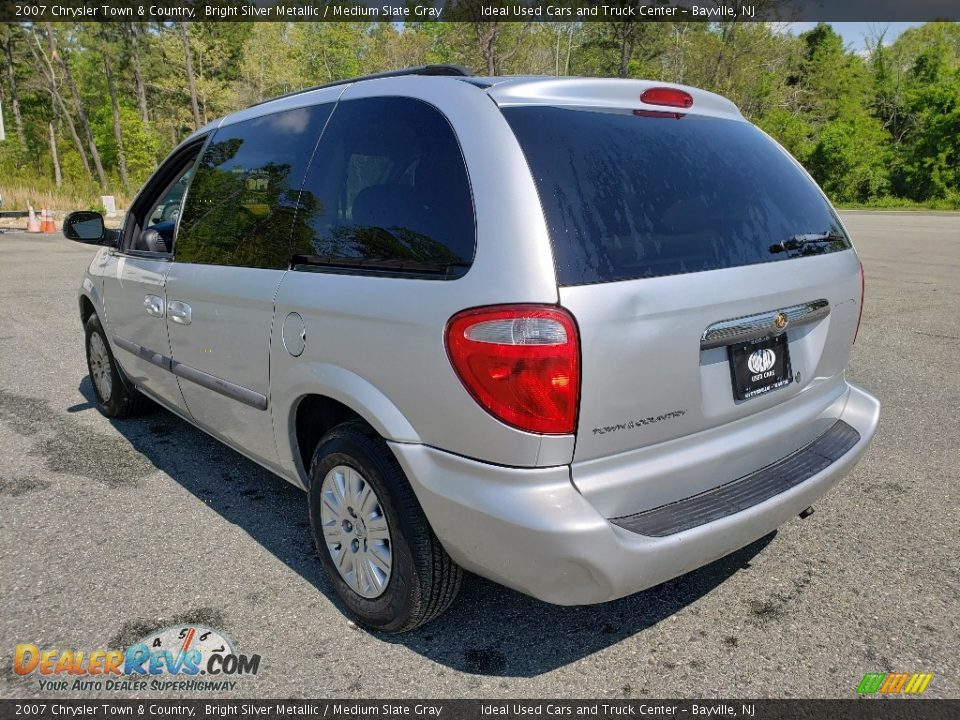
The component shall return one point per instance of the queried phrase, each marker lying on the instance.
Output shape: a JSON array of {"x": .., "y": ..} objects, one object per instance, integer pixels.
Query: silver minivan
[{"x": 578, "y": 336}]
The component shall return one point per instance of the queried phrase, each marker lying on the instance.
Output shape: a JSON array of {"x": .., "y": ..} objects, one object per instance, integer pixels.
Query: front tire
[
  {"x": 116, "y": 397},
  {"x": 374, "y": 541}
]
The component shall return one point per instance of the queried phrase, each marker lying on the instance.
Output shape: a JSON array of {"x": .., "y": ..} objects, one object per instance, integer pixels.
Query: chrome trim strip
[
  {"x": 187, "y": 372},
  {"x": 751, "y": 327}
]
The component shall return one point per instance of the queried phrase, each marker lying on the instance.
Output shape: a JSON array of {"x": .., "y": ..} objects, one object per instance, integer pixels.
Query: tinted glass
[
  {"x": 163, "y": 216},
  {"x": 628, "y": 196},
  {"x": 168, "y": 207},
  {"x": 241, "y": 203},
  {"x": 387, "y": 192}
]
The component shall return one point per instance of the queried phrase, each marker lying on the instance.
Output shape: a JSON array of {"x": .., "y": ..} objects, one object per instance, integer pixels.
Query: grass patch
[
  {"x": 63, "y": 199},
  {"x": 894, "y": 203}
]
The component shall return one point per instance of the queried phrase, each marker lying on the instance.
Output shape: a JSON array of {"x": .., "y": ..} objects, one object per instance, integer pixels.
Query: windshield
[{"x": 629, "y": 196}]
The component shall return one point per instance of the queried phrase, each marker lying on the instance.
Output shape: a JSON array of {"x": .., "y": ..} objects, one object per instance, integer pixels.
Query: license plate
[{"x": 759, "y": 366}]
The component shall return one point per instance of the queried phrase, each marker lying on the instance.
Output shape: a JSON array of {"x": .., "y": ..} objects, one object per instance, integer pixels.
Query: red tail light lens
[
  {"x": 521, "y": 363},
  {"x": 671, "y": 97},
  {"x": 863, "y": 288}
]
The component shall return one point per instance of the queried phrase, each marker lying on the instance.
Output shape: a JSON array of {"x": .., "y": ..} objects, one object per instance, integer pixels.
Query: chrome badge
[{"x": 780, "y": 321}]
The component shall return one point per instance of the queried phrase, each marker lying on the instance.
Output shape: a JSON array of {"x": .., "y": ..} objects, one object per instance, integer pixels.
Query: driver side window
[
  {"x": 153, "y": 219},
  {"x": 168, "y": 207},
  {"x": 161, "y": 220}
]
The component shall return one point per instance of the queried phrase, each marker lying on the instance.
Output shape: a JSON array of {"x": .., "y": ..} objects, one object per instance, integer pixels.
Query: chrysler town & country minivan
[{"x": 578, "y": 336}]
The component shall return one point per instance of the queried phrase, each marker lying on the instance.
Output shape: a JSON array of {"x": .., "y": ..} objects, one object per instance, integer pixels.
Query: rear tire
[
  {"x": 116, "y": 396},
  {"x": 393, "y": 573}
]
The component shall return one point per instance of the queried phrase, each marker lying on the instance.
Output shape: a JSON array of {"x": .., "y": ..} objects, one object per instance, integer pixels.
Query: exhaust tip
[{"x": 807, "y": 513}]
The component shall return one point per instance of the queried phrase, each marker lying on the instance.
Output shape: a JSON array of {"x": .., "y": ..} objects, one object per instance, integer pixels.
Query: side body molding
[{"x": 211, "y": 382}]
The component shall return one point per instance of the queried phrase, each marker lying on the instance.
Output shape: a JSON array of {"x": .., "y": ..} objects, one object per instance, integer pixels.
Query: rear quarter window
[
  {"x": 627, "y": 196},
  {"x": 387, "y": 192}
]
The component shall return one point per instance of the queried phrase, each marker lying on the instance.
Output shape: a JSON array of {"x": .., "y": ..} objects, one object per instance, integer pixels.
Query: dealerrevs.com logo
[{"x": 179, "y": 658}]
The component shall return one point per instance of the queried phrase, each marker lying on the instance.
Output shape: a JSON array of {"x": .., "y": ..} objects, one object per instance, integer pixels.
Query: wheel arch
[
  {"x": 324, "y": 396},
  {"x": 90, "y": 301},
  {"x": 86, "y": 309}
]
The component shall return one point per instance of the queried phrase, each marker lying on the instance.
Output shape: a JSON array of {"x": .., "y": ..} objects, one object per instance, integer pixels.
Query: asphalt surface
[{"x": 113, "y": 529}]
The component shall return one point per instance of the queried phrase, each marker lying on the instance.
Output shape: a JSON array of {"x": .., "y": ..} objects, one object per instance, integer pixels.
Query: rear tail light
[
  {"x": 863, "y": 288},
  {"x": 671, "y": 97},
  {"x": 521, "y": 363}
]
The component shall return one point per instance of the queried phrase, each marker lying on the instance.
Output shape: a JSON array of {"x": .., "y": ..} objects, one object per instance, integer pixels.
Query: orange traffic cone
[
  {"x": 47, "y": 224},
  {"x": 32, "y": 225}
]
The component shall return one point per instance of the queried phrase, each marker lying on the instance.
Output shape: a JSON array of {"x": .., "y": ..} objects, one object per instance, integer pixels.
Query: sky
[{"x": 854, "y": 33}]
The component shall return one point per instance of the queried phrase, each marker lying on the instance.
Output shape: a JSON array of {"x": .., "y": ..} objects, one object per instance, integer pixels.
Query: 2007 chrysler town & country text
[{"x": 578, "y": 336}]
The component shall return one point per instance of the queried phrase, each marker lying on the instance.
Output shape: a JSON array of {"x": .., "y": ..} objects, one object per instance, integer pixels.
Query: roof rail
[{"x": 448, "y": 70}]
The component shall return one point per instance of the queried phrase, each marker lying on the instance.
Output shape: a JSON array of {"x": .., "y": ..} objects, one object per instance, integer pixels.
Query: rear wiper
[{"x": 798, "y": 242}]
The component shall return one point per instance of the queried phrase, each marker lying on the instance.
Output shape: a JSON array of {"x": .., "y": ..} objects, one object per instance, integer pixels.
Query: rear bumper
[{"x": 530, "y": 529}]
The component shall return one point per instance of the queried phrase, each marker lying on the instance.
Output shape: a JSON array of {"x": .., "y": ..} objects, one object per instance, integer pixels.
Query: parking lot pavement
[{"x": 112, "y": 529}]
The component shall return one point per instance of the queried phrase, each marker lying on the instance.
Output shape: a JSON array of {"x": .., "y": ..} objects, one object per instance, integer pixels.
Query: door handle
[
  {"x": 154, "y": 305},
  {"x": 179, "y": 312}
]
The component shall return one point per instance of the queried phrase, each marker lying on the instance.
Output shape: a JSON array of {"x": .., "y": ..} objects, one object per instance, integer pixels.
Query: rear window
[{"x": 628, "y": 196}]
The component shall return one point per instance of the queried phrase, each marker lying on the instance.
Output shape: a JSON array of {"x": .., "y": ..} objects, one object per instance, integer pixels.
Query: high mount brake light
[
  {"x": 659, "y": 114},
  {"x": 671, "y": 97},
  {"x": 521, "y": 363}
]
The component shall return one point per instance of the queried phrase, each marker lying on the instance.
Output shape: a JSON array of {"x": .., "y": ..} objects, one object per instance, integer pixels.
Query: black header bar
[
  {"x": 479, "y": 10},
  {"x": 872, "y": 709}
]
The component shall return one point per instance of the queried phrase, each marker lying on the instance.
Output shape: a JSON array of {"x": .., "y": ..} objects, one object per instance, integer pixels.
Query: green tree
[{"x": 850, "y": 153}]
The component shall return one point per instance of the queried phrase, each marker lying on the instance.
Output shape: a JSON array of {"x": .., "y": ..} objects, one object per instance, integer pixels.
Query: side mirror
[{"x": 86, "y": 226}]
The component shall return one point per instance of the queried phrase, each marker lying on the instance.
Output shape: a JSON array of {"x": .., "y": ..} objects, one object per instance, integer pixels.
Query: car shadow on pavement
[{"x": 490, "y": 630}]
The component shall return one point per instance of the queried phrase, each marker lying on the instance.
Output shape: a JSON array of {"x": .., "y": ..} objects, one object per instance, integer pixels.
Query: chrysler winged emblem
[{"x": 780, "y": 321}]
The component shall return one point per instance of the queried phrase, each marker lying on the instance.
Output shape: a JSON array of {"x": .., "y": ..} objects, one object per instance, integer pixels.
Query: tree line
[{"x": 91, "y": 108}]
